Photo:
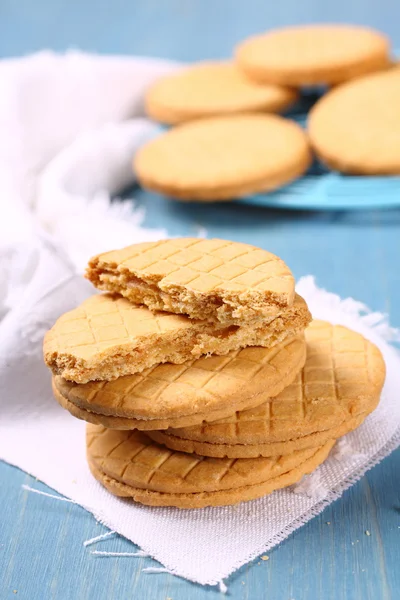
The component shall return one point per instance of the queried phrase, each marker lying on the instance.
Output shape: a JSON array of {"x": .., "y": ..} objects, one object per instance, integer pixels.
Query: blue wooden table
[{"x": 353, "y": 254}]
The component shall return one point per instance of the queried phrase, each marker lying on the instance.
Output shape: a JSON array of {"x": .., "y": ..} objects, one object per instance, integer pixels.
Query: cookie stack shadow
[{"x": 201, "y": 378}]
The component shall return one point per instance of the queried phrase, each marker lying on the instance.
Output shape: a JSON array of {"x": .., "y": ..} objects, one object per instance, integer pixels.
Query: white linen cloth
[{"x": 62, "y": 174}]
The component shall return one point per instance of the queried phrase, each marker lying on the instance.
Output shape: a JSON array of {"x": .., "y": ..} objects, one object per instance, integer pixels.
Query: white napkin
[
  {"x": 70, "y": 127},
  {"x": 64, "y": 151}
]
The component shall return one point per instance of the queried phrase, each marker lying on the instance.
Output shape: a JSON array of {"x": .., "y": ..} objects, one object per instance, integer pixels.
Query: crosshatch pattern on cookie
[
  {"x": 204, "y": 265},
  {"x": 132, "y": 457},
  {"x": 103, "y": 321},
  {"x": 342, "y": 377},
  {"x": 169, "y": 389}
]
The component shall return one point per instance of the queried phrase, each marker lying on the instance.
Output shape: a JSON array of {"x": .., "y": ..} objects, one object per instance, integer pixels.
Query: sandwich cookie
[
  {"x": 181, "y": 395},
  {"x": 313, "y": 54},
  {"x": 108, "y": 337},
  {"x": 338, "y": 387},
  {"x": 224, "y": 282},
  {"x": 209, "y": 89},
  {"x": 355, "y": 128},
  {"x": 222, "y": 158},
  {"x": 130, "y": 464}
]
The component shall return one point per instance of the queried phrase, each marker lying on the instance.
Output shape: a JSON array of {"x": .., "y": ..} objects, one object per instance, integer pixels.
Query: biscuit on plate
[
  {"x": 209, "y": 89},
  {"x": 226, "y": 157},
  {"x": 306, "y": 55}
]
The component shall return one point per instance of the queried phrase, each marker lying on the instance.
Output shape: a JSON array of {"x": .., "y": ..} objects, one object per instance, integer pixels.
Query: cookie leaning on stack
[
  {"x": 230, "y": 345},
  {"x": 338, "y": 387}
]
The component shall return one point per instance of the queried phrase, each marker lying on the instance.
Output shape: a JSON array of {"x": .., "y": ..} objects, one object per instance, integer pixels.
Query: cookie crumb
[
  {"x": 265, "y": 557},
  {"x": 328, "y": 522},
  {"x": 367, "y": 532}
]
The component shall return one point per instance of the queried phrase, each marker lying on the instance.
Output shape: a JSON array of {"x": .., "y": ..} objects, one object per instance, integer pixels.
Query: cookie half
[
  {"x": 209, "y": 89},
  {"x": 209, "y": 279},
  {"x": 130, "y": 464},
  {"x": 179, "y": 395},
  {"x": 108, "y": 337},
  {"x": 355, "y": 128},
  {"x": 222, "y": 158},
  {"x": 338, "y": 387},
  {"x": 313, "y": 54}
]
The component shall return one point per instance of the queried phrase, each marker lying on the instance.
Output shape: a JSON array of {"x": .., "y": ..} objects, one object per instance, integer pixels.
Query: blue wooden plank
[{"x": 41, "y": 552}]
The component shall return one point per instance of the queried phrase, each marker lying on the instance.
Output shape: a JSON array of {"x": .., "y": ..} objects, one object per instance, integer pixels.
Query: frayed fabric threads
[
  {"x": 157, "y": 570},
  {"x": 139, "y": 553},
  {"x": 28, "y": 488},
  {"x": 99, "y": 538}
]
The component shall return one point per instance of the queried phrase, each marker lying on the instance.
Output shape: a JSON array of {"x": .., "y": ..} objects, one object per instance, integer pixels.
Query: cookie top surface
[
  {"x": 342, "y": 378},
  {"x": 313, "y": 54},
  {"x": 203, "y": 278},
  {"x": 108, "y": 335},
  {"x": 134, "y": 459},
  {"x": 224, "y": 157},
  {"x": 356, "y": 127},
  {"x": 209, "y": 89},
  {"x": 198, "y": 386}
]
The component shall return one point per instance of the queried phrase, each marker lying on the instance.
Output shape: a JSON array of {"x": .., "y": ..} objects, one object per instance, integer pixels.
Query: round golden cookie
[
  {"x": 338, "y": 387},
  {"x": 355, "y": 128},
  {"x": 209, "y": 89},
  {"x": 181, "y": 395},
  {"x": 313, "y": 440},
  {"x": 222, "y": 158},
  {"x": 228, "y": 283},
  {"x": 107, "y": 337},
  {"x": 130, "y": 464},
  {"x": 313, "y": 54}
]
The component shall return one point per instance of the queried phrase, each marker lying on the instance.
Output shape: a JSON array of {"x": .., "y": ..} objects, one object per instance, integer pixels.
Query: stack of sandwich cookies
[
  {"x": 121, "y": 360},
  {"x": 189, "y": 370},
  {"x": 171, "y": 395}
]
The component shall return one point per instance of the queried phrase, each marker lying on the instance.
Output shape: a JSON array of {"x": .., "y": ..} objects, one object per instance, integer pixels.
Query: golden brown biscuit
[
  {"x": 178, "y": 395},
  {"x": 209, "y": 89},
  {"x": 313, "y": 54},
  {"x": 215, "y": 280},
  {"x": 130, "y": 464},
  {"x": 108, "y": 337},
  {"x": 313, "y": 440},
  {"x": 355, "y": 128},
  {"x": 222, "y": 158},
  {"x": 340, "y": 384}
]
